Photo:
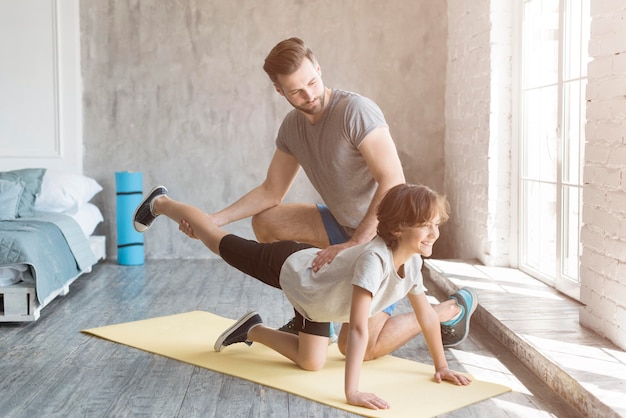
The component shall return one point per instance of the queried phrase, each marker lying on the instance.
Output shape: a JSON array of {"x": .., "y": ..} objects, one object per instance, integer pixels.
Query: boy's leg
[
  {"x": 305, "y": 350},
  {"x": 308, "y": 351},
  {"x": 313, "y": 224},
  {"x": 262, "y": 261},
  {"x": 157, "y": 202}
]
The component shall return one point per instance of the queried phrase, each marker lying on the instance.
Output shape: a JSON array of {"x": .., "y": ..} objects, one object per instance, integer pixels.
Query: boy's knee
[{"x": 312, "y": 365}]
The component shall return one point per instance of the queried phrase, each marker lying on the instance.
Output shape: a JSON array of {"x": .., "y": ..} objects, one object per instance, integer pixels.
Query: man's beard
[{"x": 312, "y": 110}]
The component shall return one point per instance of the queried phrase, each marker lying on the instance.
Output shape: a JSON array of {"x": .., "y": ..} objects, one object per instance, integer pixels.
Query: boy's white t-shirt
[{"x": 325, "y": 295}]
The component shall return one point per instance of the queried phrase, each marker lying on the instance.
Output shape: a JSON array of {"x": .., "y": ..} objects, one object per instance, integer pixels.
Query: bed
[{"x": 47, "y": 223}]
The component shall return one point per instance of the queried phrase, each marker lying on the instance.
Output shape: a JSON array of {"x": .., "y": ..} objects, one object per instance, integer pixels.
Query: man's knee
[
  {"x": 262, "y": 227},
  {"x": 375, "y": 326}
]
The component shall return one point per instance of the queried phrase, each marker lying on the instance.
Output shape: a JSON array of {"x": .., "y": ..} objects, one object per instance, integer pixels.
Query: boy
[{"x": 371, "y": 276}]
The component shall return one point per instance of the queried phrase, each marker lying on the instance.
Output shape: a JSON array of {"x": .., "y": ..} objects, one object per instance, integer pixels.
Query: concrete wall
[
  {"x": 603, "y": 262},
  {"x": 176, "y": 90}
]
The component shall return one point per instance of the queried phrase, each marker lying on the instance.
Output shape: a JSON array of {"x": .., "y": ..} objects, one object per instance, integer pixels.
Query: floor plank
[{"x": 49, "y": 368}]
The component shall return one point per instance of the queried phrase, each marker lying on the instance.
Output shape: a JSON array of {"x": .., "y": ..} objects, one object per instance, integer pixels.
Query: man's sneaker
[
  {"x": 455, "y": 332},
  {"x": 238, "y": 333},
  {"x": 143, "y": 216},
  {"x": 333, "y": 335}
]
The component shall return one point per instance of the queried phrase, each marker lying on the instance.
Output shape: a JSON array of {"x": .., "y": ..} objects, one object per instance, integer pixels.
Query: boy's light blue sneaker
[{"x": 454, "y": 332}]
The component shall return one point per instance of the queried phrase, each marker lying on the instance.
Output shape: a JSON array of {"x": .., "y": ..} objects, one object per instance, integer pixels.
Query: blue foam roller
[{"x": 129, "y": 189}]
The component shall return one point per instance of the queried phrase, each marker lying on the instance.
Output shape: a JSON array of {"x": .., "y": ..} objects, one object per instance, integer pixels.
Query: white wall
[
  {"x": 603, "y": 262},
  {"x": 40, "y": 89},
  {"x": 477, "y": 136},
  {"x": 478, "y": 131}
]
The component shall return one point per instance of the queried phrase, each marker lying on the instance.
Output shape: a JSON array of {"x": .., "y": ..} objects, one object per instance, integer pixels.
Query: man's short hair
[{"x": 286, "y": 57}]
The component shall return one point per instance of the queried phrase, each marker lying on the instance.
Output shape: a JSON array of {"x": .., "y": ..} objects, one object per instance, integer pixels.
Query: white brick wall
[
  {"x": 478, "y": 130},
  {"x": 477, "y": 149},
  {"x": 603, "y": 262}
]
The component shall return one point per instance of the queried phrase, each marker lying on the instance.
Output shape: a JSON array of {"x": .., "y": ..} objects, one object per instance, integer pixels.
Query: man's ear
[{"x": 279, "y": 89}]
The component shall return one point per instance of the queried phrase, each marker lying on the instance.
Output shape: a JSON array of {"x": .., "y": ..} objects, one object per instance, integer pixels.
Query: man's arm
[
  {"x": 281, "y": 173},
  {"x": 381, "y": 156}
]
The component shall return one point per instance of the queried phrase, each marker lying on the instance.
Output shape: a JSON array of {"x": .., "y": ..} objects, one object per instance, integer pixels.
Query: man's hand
[
  {"x": 185, "y": 228},
  {"x": 454, "y": 377},
  {"x": 368, "y": 400},
  {"x": 328, "y": 254}
]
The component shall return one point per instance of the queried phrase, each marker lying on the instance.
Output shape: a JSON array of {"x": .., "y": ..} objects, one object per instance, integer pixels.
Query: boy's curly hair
[{"x": 408, "y": 205}]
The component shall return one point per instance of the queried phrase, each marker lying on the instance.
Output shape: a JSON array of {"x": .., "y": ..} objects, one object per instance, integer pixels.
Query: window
[{"x": 554, "y": 42}]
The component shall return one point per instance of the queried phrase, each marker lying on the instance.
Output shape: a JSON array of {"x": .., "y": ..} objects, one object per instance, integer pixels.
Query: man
[{"x": 343, "y": 143}]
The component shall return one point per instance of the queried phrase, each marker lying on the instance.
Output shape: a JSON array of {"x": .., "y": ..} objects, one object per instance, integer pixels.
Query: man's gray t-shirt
[
  {"x": 325, "y": 295},
  {"x": 329, "y": 153}
]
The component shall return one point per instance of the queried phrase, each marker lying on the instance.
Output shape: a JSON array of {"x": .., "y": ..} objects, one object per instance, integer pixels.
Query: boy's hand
[
  {"x": 454, "y": 377},
  {"x": 368, "y": 400}
]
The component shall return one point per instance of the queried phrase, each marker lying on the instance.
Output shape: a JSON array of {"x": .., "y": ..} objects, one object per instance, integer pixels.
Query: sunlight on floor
[{"x": 488, "y": 368}]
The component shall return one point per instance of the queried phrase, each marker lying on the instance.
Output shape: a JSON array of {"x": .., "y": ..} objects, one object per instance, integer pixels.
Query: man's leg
[
  {"x": 291, "y": 221},
  {"x": 388, "y": 333}
]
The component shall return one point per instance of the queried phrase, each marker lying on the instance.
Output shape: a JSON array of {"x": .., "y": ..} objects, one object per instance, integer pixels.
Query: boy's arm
[
  {"x": 357, "y": 344},
  {"x": 431, "y": 328},
  {"x": 429, "y": 322}
]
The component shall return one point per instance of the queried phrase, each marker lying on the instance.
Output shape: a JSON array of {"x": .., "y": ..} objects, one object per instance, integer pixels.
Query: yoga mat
[
  {"x": 129, "y": 186},
  {"x": 407, "y": 385}
]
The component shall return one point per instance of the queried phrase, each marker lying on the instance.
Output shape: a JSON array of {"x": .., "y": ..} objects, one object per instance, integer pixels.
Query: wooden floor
[
  {"x": 48, "y": 368},
  {"x": 542, "y": 327}
]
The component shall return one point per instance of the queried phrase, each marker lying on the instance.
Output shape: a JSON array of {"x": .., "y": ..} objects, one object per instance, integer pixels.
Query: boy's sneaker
[
  {"x": 143, "y": 216},
  {"x": 290, "y": 327},
  {"x": 454, "y": 332},
  {"x": 238, "y": 333}
]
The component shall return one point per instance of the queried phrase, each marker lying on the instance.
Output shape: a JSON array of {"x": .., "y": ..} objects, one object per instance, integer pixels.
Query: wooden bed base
[{"x": 18, "y": 303}]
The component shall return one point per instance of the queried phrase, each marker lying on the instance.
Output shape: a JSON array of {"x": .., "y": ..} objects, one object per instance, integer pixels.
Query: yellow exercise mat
[{"x": 407, "y": 385}]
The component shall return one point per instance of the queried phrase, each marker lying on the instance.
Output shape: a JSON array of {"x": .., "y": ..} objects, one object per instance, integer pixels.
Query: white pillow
[
  {"x": 65, "y": 192},
  {"x": 88, "y": 217}
]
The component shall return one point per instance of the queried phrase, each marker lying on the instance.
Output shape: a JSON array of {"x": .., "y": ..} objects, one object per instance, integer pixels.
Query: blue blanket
[{"x": 52, "y": 244}]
